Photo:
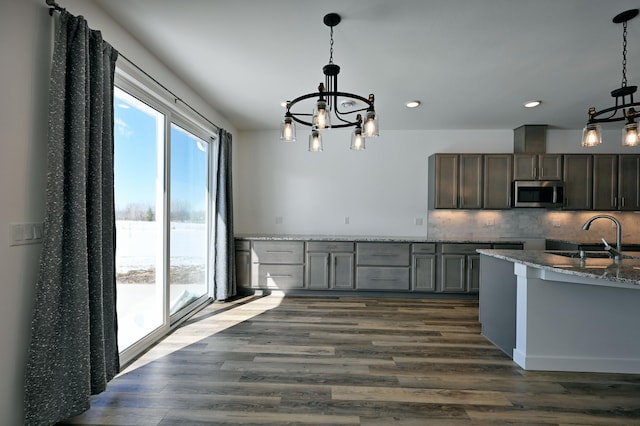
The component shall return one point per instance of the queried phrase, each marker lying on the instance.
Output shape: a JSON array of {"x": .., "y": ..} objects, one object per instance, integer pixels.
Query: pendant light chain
[
  {"x": 331, "y": 47},
  {"x": 624, "y": 54}
]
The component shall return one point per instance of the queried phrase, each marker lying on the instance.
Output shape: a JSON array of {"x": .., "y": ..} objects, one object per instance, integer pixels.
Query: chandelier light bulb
[
  {"x": 315, "y": 141},
  {"x": 630, "y": 135},
  {"x": 287, "y": 130},
  {"x": 321, "y": 117},
  {"x": 591, "y": 135}
]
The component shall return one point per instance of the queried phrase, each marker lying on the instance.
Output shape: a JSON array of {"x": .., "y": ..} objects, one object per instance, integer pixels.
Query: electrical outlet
[
  {"x": 346, "y": 220},
  {"x": 278, "y": 220},
  {"x": 419, "y": 221}
]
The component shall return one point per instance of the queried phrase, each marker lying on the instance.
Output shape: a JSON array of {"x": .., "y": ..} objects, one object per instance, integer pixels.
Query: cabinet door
[
  {"x": 446, "y": 185},
  {"x": 452, "y": 273},
  {"x": 342, "y": 270},
  {"x": 498, "y": 174},
  {"x": 629, "y": 182},
  {"x": 317, "y": 270},
  {"x": 243, "y": 268},
  {"x": 525, "y": 166},
  {"x": 473, "y": 273},
  {"x": 423, "y": 276},
  {"x": 605, "y": 182},
  {"x": 549, "y": 167},
  {"x": 578, "y": 181},
  {"x": 470, "y": 190}
]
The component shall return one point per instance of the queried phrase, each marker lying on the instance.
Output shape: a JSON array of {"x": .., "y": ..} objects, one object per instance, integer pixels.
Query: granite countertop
[
  {"x": 627, "y": 271},
  {"x": 631, "y": 245},
  {"x": 367, "y": 238}
]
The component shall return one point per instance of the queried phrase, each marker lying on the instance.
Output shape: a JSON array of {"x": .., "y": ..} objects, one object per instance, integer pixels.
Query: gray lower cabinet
[
  {"x": 243, "y": 263},
  {"x": 459, "y": 270},
  {"x": 423, "y": 267},
  {"x": 330, "y": 265},
  {"x": 418, "y": 267},
  {"x": 277, "y": 264},
  {"x": 382, "y": 266}
]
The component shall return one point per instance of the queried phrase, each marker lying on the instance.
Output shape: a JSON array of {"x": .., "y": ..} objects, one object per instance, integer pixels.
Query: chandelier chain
[
  {"x": 331, "y": 47},
  {"x": 624, "y": 54}
]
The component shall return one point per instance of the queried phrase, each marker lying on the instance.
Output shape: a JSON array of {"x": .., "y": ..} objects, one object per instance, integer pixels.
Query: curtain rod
[{"x": 55, "y": 6}]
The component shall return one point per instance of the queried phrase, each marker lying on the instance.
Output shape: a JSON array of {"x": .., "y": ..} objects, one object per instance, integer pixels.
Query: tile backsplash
[{"x": 530, "y": 224}]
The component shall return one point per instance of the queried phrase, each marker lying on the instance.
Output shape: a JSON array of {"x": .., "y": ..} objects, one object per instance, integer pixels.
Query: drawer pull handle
[
  {"x": 279, "y": 251},
  {"x": 277, "y": 276}
]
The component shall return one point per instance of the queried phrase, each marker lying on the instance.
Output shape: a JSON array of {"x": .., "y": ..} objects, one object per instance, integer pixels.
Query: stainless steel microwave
[{"x": 538, "y": 193}]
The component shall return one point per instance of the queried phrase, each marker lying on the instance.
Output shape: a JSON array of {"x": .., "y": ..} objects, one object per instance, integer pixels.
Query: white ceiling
[{"x": 472, "y": 63}]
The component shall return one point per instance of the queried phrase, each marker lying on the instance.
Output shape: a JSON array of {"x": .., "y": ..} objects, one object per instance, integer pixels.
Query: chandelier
[
  {"x": 329, "y": 112},
  {"x": 624, "y": 108}
]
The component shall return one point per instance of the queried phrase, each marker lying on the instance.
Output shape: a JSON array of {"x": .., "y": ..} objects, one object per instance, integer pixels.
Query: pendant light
[
  {"x": 329, "y": 112},
  {"x": 624, "y": 108}
]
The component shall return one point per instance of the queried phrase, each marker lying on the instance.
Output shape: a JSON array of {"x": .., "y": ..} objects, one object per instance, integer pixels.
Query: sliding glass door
[
  {"x": 139, "y": 199},
  {"x": 188, "y": 213},
  {"x": 162, "y": 218}
]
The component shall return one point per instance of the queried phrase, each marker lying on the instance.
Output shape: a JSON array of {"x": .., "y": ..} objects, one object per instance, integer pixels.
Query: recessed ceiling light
[
  {"x": 532, "y": 104},
  {"x": 413, "y": 104}
]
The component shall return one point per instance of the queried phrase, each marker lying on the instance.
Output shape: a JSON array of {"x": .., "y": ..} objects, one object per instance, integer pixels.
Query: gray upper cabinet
[
  {"x": 443, "y": 175},
  {"x": 456, "y": 181},
  {"x": 605, "y": 182},
  {"x": 616, "y": 182},
  {"x": 470, "y": 190},
  {"x": 498, "y": 174},
  {"x": 578, "y": 181},
  {"x": 629, "y": 182},
  {"x": 537, "y": 166}
]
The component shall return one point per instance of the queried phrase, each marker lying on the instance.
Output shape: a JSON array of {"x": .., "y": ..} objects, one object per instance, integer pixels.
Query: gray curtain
[
  {"x": 73, "y": 351},
  {"x": 223, "y": 246}
]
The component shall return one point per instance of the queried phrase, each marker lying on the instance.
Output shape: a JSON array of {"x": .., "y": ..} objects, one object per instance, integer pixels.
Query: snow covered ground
[{"x": 139, "y": 289}]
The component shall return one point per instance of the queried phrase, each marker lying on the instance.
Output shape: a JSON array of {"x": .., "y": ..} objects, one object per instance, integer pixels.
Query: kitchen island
[{"x": 549, "y": 311}]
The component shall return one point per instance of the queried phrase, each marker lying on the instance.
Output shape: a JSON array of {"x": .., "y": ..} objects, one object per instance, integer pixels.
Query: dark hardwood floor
[{"x": 350, "y": 361}]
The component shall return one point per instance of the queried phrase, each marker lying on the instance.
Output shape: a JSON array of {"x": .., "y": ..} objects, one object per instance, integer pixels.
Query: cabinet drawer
[
  {"x": 291, "y": 252},
  {"x": 463, "y": 248},
  {"x": 381, "y": 278},
  {"x": 420, "y": 248},
  {"x": 382, "y": 254},
  {"x": 281, "y": 276},
  {"x": 243, "y": 245},
  {"x": 329, "y": 246}
]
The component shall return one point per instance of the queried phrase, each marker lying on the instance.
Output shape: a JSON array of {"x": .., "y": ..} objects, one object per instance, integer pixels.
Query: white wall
[
  {"x": 383, "y": 190},
  {"x": 25, "y": 46}
]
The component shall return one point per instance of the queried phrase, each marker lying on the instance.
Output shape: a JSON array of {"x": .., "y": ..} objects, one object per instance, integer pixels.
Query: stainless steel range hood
[{"x": 530, "y": 139}]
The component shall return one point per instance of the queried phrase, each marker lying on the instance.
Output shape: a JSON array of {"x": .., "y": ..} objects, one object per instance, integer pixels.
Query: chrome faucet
[{"x": 617, "y": 253}]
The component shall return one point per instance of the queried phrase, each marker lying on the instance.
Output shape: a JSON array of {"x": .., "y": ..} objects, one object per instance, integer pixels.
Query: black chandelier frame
[
  {"x": 328, "y": 91},
  {"x": 620, "y": 94}
]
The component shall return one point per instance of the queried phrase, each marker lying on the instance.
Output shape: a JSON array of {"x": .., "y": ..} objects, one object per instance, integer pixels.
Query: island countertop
[
  {"x": 374, "y": 238},
  {"x": 626, "y": 272}
]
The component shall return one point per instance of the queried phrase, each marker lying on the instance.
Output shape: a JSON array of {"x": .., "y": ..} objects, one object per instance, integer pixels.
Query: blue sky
[{"x": 136, "y": 153}]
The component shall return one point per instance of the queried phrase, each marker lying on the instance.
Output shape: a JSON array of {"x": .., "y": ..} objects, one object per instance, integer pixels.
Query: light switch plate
[{"x": 25, "y": 233}]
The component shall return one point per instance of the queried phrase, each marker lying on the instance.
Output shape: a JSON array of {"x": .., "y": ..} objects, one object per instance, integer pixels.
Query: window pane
[
  {"x": 138, "y": 174},
  {"x": 188, "y": 235}
]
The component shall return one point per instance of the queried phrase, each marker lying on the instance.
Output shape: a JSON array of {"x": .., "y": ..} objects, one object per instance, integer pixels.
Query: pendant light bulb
[
  {"x": 591, "y": 135},
  {"x": 630, "y": 134},
  {"x": 287, "y": 130},
  {"x": 321, "y": 118},
  {"x": 370, "y": 126},
  {"x": 357, "y": 138},
  {"x": 315, "y": 141}
]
